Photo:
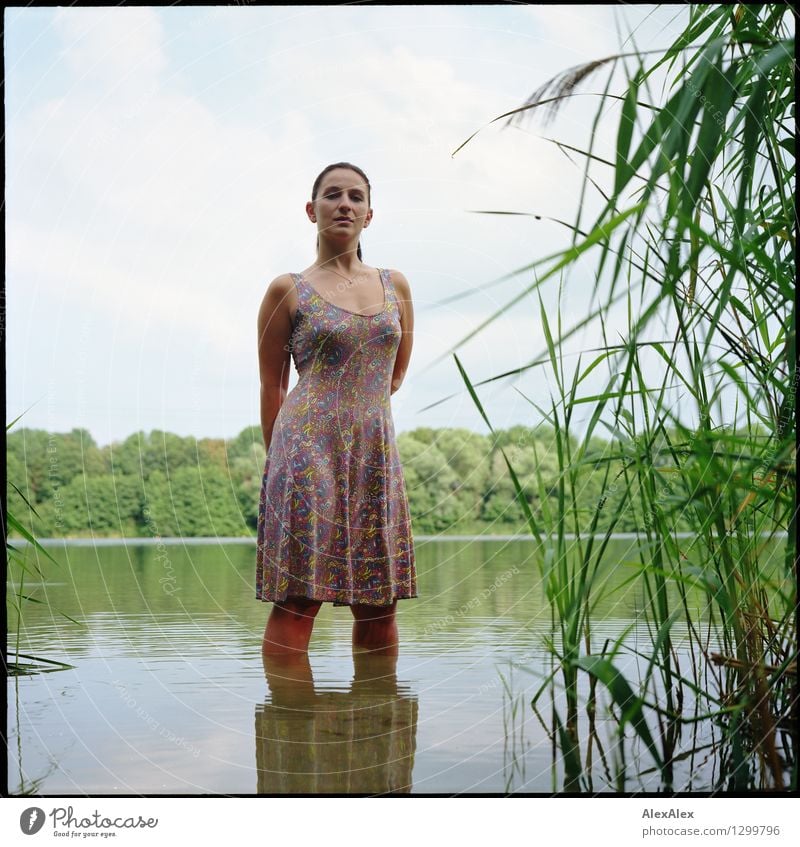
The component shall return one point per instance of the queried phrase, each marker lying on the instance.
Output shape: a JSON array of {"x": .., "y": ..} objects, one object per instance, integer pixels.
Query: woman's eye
[{"x": 357, "y": 197}]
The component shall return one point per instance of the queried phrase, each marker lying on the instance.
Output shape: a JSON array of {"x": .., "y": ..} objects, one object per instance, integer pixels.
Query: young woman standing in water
[{"x": 334, "y": 523}]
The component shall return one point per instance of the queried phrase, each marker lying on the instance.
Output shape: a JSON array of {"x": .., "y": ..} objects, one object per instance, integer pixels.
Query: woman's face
[{"x": 342, "y": 194}]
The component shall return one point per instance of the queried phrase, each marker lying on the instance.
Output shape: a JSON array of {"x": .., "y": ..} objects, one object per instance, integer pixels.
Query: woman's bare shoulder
[
  {"x": 281, "y": 283},
  {"x": 280, "y": 295},
  {"x": 401, "y": 284}
]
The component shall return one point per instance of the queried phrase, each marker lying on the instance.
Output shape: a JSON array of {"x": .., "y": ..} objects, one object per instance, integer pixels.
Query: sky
[{"x": 158, "y": 163}]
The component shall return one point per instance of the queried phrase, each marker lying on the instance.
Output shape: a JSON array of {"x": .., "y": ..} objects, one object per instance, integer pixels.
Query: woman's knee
[
  {"x": 300, "y": 607},
  {"x": 379, "y": 614}
]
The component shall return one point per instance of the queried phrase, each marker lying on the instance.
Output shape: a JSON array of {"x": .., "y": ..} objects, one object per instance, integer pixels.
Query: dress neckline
[{"x": 341, "y": 308}]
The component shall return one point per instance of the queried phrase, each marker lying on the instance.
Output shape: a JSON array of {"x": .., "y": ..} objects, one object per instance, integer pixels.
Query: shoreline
[{"x": 88, "y": 541}]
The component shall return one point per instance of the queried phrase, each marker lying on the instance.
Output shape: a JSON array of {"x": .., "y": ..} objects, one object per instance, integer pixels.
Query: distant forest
[{"x": 160, "y": 484}]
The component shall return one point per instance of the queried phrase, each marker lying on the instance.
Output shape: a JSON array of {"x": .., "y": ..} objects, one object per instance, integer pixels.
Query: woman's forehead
[{"x": 343, "y": 178}]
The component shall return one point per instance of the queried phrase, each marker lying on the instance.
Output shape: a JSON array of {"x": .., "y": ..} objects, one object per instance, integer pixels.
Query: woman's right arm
[{"x": 274, "y": 357}]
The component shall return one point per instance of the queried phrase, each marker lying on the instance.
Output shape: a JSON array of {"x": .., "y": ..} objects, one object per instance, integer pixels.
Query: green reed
[
  {"x": 707, "y": 249},
  {"x": 17, "y": 561}
]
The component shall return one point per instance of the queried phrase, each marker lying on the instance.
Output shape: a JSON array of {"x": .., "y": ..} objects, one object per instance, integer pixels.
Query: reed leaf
[
  {"x": 619, "y": 689},
  {"x": 718, "y": 263}
]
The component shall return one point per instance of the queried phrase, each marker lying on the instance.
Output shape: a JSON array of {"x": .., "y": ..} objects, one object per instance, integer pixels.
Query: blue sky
[{"x": 158, "y": 162}]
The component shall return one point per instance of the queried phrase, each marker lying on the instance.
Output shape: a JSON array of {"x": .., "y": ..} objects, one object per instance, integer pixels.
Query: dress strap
[
  {"x": 301, "y": 286},
  {"x": 391, "y": 296},
  {"x": 302, "y": 296}
]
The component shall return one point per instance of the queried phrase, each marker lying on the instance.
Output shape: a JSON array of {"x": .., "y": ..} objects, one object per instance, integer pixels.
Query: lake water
[{"x": 170, "y": 694}]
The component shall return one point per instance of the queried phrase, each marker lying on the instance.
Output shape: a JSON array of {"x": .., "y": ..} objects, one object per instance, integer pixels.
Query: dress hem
[{"x": 337, "y": 602}]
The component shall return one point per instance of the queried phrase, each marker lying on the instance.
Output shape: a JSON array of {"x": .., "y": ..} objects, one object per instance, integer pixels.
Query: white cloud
[
  {"x": 121, "y": 47},
  {"x": 163, "y": 188}
]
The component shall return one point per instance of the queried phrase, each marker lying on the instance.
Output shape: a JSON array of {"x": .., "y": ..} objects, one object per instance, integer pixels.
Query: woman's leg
[
  {"x": 290, "y": 680},
  {"x": 289, "y": 625},
  {"x": 375, "y": 628}
]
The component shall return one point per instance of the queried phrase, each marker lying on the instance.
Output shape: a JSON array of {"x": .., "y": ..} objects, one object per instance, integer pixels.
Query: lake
[{"x": 170, "y": 694}]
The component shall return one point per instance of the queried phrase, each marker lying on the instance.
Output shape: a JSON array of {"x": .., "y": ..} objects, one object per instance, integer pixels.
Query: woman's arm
[
  {"x": 403, "y": 292},
  {"x": 274, "y": 357}
]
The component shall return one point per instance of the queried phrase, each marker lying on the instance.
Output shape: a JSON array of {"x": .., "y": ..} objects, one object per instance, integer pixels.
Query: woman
[{"x": 334, "y": 523}]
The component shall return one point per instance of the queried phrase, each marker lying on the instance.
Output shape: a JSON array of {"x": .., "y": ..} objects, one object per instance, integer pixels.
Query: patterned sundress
[{"x": 334, "y": 522}]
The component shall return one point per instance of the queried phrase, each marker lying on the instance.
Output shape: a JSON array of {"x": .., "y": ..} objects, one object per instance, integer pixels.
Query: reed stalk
[
  {"x": 700, "y": 217},
  {"x": 17, "y": 561}
]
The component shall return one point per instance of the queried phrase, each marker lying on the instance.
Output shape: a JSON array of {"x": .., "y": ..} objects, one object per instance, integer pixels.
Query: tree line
[{"x": 162, "y": 484}]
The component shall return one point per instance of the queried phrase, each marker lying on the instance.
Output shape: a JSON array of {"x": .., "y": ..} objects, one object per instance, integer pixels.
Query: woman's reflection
[{"x": 360, "y": 741}]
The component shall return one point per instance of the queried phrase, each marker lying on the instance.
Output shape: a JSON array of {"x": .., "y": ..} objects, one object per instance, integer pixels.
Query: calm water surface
[{"x": 170, "y": 694}]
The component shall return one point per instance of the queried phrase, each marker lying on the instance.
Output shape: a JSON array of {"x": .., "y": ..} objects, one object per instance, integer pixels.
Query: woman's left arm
[{"x": 403, "y": 292}]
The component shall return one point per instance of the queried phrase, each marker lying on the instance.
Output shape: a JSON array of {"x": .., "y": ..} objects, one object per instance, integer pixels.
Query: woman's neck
[{"x": 343, "y": 262}]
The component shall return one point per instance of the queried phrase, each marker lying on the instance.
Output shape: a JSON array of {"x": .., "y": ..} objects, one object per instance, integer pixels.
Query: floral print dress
[{"x": 334, "y": 522}]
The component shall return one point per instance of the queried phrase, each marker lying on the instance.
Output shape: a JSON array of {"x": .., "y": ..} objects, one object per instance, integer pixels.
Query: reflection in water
[
  {"x": 360, "y": 741},
  {"x": 515, "y": 747}
]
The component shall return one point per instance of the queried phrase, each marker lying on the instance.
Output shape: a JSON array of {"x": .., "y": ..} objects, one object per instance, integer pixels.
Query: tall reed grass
[
  {"x": 18, "y": 568},
  {"x": 697, "y": 233}
]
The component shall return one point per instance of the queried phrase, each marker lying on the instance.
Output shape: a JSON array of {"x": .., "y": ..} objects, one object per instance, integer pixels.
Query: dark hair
[{"x": 318, "y": 182}]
